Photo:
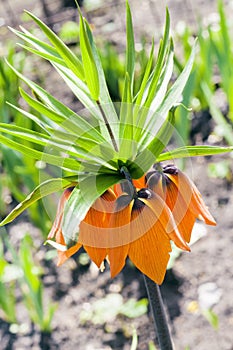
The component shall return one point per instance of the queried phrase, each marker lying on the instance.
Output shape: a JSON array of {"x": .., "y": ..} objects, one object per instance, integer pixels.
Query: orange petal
[
  {"x": 163, "y": 214},
  {"x": 192, "y": 197},
  {"x": 185, "y": 226},
  {"x": 140, "y": 183},
  {"x": 97, "y": 255},
  {"x": 183, "y": 216},
  {"x": 117, "y": 189},
  {"x": 118, "y": 242},
  {"x": 63, "y": 256},
  {"x": 155, "y": 183},
  {"x": 150, "y": 253},
  {"x": 94, "y": 228},
  {"x": 204, "y": 212},
  {"x": 59, "y": 215},
  {"x": 117, "y": 257}
]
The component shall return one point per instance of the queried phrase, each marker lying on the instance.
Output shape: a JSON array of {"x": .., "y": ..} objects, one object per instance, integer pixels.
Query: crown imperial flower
[
  {"x": 182, "y": 197},
  {"x": 138, "y": 219}
]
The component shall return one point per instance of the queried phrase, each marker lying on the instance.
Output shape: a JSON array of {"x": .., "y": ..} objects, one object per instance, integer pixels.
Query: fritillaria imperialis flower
[
  {"x": 182, "y": 197},
  {"x": 138, "y": 219}
]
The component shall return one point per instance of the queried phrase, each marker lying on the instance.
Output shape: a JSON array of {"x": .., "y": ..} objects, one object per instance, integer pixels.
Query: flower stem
[
  {"x": 160, "y": 320},
  {"x": 108, "y": 127}
]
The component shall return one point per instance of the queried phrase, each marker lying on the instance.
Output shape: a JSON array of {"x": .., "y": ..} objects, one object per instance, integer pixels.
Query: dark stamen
[
  {"x": 170, "y": 169},
  {"x": 144, "y": 193}
]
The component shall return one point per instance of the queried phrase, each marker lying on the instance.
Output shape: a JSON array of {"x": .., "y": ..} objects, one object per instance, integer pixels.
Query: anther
[
  {"x": 170, "y": 169},
  {"x": 144, "y": 193}
]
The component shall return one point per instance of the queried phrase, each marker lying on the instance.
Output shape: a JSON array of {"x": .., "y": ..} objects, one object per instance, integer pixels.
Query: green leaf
[
  {"x": 159, "y": 63},
  {"x": 134, "y": 308},
  {"x": 41, "y": 122},
  {"x": 24, "y": 133},
  {"x": 75, "y": 84},
  {"x": 104, "y": 98},
  {"x": 74, "y": 123},
  {"x": 44, "y": 55},
  {"x": 44, "y": 189},
  {"x": 51, "y": 101},
  {"x": 193, "y": 151},
  {"x": 69, "y": 57},
  {"x": 42, "y": 49},
  {"x": 86, "y": 149},
  {"x": 65, "y": 163},
  {"x": 89, "y": 66},
  {"x": 174, "y": 94},
  {"x": 60, "y": 113},
  {"x": 211, "y": 317},
  {"x": 156, "y": 120},
  {"x": 145, "y": 78},
  {"x": 80, "y": 90},
  {"x": 163, "y": 136},
  {"x": 128, "y": 146},
  {"x": 164, "y": 79},
  {"x": 149, "y": 155},
  {"x": 48, "y": 52},
  {"x": 130, "y": 49},
  {"x": 126, "y": 137},
  {"x": 99, "y": 152},
  {"x": 226, "y": 40},
  {"x": 80, "y": 201}
]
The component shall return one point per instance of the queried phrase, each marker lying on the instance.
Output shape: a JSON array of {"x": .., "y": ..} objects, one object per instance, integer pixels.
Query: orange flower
[
  {"x": 181, "y": 196},
  {"x": 147, "y": 228},
  {"x": 137, "y": 219},
  {"x": 139, "y": 226},
  {"x": 96, "y": 218}
]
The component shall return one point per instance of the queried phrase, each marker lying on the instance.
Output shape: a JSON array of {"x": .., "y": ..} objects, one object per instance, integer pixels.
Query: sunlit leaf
[
  {"x": 69, "y": 57},
  {"x": 149, "y": 155},
  {"x": 193, "y": 151},
  {"x": 66, "y": 163},
  {"x": 146, "y": 75},
  {"x": 159, "y": 63},
  {"x": 104, "y": 96},
  {"x": 89, "y": 66},
  {"x": 175, "y": 92},
  {"x": 130, "y": 49},
  {"x": 44, "y": 189}
]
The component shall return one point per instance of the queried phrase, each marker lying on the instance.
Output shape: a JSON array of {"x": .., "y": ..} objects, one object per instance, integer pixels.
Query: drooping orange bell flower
[
  {"x": 182, "y": 197},
  {"x": 137, "y": 220},
  {"x": 97, "y": 218}
]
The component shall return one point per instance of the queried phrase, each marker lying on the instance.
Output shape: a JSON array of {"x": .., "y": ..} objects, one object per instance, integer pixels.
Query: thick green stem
[{"x": 160, "y": 320}]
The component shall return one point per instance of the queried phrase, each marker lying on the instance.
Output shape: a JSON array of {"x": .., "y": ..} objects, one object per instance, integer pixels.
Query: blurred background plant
[
  {"x": 213, "y": 72},
  {"x": 19, "y": 173},
  {"x": 209, "y": 89},
  {"x": 20, "y": 270}
]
